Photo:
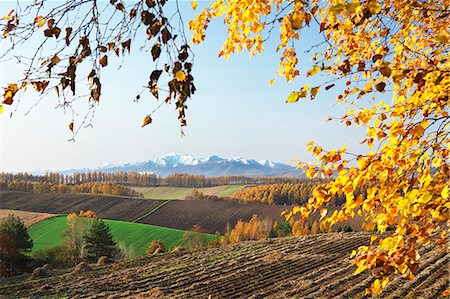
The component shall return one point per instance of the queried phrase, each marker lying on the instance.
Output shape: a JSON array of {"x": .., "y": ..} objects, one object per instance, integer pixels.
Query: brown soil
[
  {"x": 212, "y": 216},
  {"x": 307, "y": 267},
  {"x": 29, "y": 218},
  {"x": 109, "y": 207}
]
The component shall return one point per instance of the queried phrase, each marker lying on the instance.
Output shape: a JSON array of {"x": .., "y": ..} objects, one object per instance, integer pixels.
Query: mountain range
[{"x": 211, "y": 166}]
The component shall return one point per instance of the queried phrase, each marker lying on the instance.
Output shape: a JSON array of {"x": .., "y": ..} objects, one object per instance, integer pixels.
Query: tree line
[
  {"x": 143, "y": 179},
  {"x": 278, "y": 193},
  {"x": 47, "y": 187}
]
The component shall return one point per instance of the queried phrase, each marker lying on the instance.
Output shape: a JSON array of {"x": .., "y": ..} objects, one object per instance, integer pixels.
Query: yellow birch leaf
[
  {"x": 194, "y": 4},
  {"x": 180, "y": 75},
  {"x": 444, "y": 193},
  {"x": 360, "y": 269},
  {"x": 313, "y": 71}
]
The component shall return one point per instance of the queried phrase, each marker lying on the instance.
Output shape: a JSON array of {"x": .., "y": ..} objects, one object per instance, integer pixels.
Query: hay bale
[
  {"x": 47, "y": 267},
  {"x": 158, "y": 251},
  {"x": 178, "y": 250},
  {"x": 39, "y": 272},
  {"x": 81, "y": 267},
  {"x": 103, "y": 260}
]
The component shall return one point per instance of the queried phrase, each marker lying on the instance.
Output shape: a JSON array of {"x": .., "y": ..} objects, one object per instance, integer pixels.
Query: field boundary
[{"x": 150, "y": 212}]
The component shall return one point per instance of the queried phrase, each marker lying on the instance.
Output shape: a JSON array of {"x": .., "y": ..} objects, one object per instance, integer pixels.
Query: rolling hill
[
  {"x": 315, "y": 266},
  {"x": 212, "y": 216},
  {"x": 168, "y": 193},
  {"x": 136, "y": 236},
  {"x": 29, "y": 218}
]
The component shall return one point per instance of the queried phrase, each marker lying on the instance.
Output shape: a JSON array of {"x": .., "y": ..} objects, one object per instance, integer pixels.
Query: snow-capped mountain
[{"x": 210, "y": 166}]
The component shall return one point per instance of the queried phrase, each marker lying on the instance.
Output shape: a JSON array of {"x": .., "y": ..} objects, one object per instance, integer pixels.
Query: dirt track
[{"x": 308, "y": 267}]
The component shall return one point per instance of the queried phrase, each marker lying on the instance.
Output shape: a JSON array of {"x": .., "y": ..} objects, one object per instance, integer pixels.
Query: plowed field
[
  {"x": 308, "y": 267},
  {"x": 29, "y": 218},
  {"x": 109, "y": 207},
  {"x": 212, "y": 216}
]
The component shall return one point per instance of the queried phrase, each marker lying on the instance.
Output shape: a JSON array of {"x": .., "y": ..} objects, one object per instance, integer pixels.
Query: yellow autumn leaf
[
  {"x": 40, "y": 21},
  {"x": 1, "y": 109},
  {"x": 313, "y": 71},
  {"x": 147, "y": 120},
  {"x": 194, "y": 4},
  {"x": 444, "y": 192},
  {"x": 360, "y": 269},
  {"x": 374, "y": 7},
  {"x": 180, "y": 75}
]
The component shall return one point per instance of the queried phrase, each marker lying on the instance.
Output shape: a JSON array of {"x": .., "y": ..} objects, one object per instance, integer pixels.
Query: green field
[
  {"x": 181, "y": 193},
  {"x": 48, "y": 233}
]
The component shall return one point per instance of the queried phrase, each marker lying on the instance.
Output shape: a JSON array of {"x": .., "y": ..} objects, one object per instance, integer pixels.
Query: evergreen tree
[
  {"x": 99, "y": 240},
  {"x": 14, "y": 244}
]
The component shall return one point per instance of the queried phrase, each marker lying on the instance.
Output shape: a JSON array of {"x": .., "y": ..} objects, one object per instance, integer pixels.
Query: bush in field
[
  {"x": 195, "y": 239},
  {"x": 125, "y": 252},
  {"x": 154, "y": 245},
  {"x": 15, "y": 243},
  {"x": 99, "y": 240},
  {"x": 56, "y": 256}
]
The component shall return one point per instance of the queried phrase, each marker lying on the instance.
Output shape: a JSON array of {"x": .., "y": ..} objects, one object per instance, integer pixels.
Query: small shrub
[
  {"x": 55, "y": 256},
  {"x": 125, "y": 252},
  {"x": 154, "y": 245},
  {"x": 195, "y": 239},
  {"x": 214, "y": 244}
]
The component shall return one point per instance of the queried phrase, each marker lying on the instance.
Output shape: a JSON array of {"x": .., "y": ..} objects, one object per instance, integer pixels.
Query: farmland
[
  {"x": 168, "y": 193},
  {"x": 29, "y": 218},
  {"x": 137, "y": 237},
  {"x": 212, "y": 216},
  {"x": 308, "y": 267},
  {"x": 110, "y": 207}
]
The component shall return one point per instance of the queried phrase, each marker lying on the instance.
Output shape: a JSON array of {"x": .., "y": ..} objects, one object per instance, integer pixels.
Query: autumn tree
[
  {"x": 15, "y": 244},
  {"x": 395, "y": 54},
  {"x": 78, "y": 225},
  {"x": 387, "y": 60}
]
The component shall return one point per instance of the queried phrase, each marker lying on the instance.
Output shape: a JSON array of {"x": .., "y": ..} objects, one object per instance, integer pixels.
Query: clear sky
[{"x": 233, "y": 113}]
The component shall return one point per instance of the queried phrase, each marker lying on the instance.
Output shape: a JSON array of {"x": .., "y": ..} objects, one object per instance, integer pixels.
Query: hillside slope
[
  {"x": 168, "y": 193},
  {"x": 109, "y": 207},
  {"x": 212, "y": 216},
  {"x": 307, "y": 267},
  {"x": 136, "y": 236}
]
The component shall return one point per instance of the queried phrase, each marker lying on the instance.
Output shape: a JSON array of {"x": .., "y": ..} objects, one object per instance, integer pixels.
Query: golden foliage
[{"x": 381, "y": 49}]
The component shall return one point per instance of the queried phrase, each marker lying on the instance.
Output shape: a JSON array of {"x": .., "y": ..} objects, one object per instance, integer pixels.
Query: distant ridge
[{"x": 211, "y": 166}]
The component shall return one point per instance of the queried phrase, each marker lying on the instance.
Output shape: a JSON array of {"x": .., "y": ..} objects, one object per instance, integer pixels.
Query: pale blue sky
[{"x": 233, "y": 113}]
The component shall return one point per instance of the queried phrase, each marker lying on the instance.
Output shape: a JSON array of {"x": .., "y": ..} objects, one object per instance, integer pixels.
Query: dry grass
[{"x": 29, "y": 218}]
